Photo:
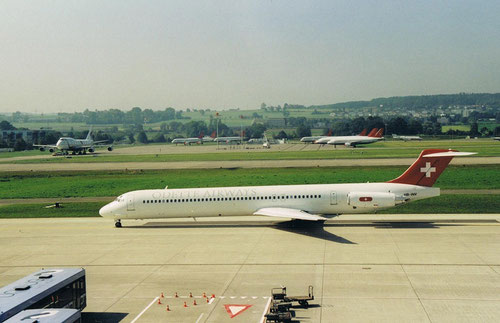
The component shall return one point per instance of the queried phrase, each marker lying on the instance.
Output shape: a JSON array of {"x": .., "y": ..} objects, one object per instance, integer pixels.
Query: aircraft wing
[
  {"x": 289, "y": 213},
  {"x": 46, "y": 146}
]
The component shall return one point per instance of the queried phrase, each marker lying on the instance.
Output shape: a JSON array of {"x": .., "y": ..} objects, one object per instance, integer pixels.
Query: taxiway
[{"x": 393, "y": 268}]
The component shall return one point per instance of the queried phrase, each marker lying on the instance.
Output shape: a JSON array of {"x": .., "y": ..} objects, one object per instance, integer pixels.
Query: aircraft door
[
  {"x": 333, "y": 198},
  {"x": 130, "y": 202}
]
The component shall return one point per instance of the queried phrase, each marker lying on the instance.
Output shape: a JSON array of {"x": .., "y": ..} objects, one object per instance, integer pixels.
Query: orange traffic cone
[
  {"x": 159, "y": 301},
  {"x": 185, "y": 305},
  {"x": 194, "y": 303},
  {"x": 168, "y": 308},
  {"x": 176, "y": 296},
  {"x": 190, "y": 294}
]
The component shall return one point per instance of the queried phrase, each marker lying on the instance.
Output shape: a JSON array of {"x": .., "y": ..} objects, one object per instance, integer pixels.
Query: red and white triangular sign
[{"x": 236, "y": 309}]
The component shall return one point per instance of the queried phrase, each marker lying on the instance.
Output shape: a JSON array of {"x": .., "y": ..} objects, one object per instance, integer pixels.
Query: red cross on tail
[{"x": 427, "y": 168}]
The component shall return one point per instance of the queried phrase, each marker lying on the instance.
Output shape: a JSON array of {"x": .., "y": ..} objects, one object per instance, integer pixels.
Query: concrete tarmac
[
  {"x": 51, "y": 167},
  {"x": 391, "y": 268}
]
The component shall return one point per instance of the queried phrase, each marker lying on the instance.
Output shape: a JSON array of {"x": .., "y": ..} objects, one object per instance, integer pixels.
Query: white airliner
[
  {"x": 228, "y": 139},
  {"x": 315, "y": 202},
  {"x": 314, "y": 138},
  {"x": 310, "y": 139},
  {"x": 76, "y": 146},
  {"x": 187, "y": 141},
  {"x": 406, "y": 138},
  {"x": 352, "y": 141}
]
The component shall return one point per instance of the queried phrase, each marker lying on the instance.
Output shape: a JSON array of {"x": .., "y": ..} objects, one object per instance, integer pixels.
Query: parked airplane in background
[
  {"x": 209, "y": 138},
  {"x": 352, "y": 141},
  {"x": 314, "y": 138},
  {"x": 76, "y": 146},
  {"x": 325, "y": 139},
  {"x": 188, "y": 141},
  {"x": 315, "y": 202},
  {"x": 228, "y": 139},
  {"x": 310, "y": 139},
  {"x": 406, "y": 138}
]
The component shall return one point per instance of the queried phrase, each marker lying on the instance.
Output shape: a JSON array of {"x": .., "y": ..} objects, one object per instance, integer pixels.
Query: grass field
[
  {"x": 450, "y": 203},
  {"x": 114, "y": 183},
  {"x": 475, "y": 203},
  {"x": 461, "y": 127}
]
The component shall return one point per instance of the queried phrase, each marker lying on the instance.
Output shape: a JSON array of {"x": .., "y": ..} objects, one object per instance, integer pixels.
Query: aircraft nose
[{"x": 106, "y": 210}]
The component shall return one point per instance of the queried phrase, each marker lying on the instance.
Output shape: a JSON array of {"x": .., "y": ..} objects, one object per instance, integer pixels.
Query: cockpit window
[{"x": 120, "y": 198}]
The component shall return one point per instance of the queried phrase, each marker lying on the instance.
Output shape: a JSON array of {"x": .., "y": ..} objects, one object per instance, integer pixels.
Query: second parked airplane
[{"x": 352, "y": 141}]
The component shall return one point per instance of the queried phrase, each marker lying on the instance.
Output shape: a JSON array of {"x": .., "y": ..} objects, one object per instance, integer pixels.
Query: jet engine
[
  {"x": 42, "y": 148},
  {"x": 372, "y": 199},
  {"x": 51, "y": 150},
  {"x": 110, "y": 148},
  {"x": 91, "y": 150}
]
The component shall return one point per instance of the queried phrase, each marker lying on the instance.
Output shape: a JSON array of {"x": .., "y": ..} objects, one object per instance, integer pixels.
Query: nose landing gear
[{"x": 118, "y": 223}]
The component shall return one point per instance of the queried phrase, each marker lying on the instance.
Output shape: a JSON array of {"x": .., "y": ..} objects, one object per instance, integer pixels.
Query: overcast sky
[{"x": 71, "y": 55}]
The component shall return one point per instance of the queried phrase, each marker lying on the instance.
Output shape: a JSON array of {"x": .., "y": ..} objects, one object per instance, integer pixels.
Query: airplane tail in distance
[
  {"x": 330, "y": 132},
  {"x": 373, "y": 132},
  {"x": 379, "y": 133},
  {"x": 89, "y": 135},
  {"x": 213, "y": 134},
  {"x": 363, "y": 133},
  {"x": 427, "y": 168}
]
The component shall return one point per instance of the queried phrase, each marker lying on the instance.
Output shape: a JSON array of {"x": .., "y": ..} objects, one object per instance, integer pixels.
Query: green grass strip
[
  {"x": 451, "y": 203},
  {"x": 114, "y": 183}
]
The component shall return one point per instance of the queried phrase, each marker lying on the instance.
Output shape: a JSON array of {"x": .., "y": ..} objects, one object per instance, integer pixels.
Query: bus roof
[
  {"x": 52, "y": 315},
  {"x": 26, "y": 291}
]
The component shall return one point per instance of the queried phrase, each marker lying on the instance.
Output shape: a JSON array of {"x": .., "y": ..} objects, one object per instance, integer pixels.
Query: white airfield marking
[
  {"x": 266, "y": 308},
  {"x": 144, "y": 310},
  {"x": 199, "y": 317}
]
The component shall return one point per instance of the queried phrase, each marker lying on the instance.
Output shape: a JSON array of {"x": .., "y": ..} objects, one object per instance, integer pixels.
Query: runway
[
  {"x": 392, "y": 268},
  {"x": 50, "y": 167}
]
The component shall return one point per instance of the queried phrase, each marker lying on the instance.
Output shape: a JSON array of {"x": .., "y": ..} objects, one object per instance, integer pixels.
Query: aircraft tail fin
[
  {"x": 427, "y": 168},
  {"x": 363, "y": 133},
  {"x": 373, "y": 132},
  {"x": 89, "y": 135},
  {"x": 378, "y": 134}
]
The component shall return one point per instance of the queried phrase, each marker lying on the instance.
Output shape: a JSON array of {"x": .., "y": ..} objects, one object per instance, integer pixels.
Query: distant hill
[{"x": 422, "y": 101}]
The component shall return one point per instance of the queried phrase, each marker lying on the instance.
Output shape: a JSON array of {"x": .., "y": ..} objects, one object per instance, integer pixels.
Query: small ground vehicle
[{"x": 280, "y": 295}]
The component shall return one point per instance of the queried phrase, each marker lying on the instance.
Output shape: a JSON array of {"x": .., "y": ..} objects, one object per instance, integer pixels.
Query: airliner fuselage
[{"x": 327, "y": 199}]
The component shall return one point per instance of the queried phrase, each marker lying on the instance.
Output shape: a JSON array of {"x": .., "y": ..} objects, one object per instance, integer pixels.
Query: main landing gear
[{"x": 118, "y": 223}]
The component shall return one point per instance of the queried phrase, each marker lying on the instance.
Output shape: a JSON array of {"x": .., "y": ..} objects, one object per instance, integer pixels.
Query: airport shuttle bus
[
  {"x": 44, "y": 289},
  {"x": 301, "y": 202}
]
